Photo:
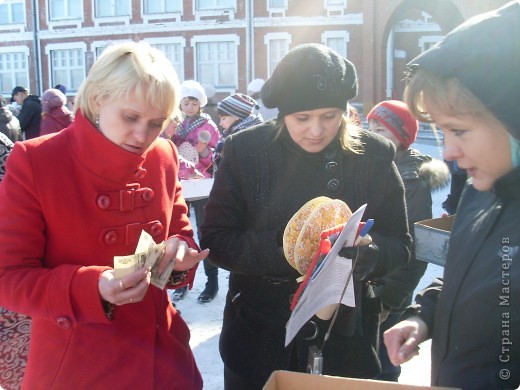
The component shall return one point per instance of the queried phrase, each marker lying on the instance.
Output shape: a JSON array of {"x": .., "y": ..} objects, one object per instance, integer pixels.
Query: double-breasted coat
[
  {"x": 261, "y": 182},
  {"x": 69, "y": 203}
]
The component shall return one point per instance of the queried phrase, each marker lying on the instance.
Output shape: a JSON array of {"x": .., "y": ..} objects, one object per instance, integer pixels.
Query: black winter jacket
[
  {"x": 473, "y": 315},
  {"x": 421, "y": 175},
  {"x": 261, "y": 182},
  {"x": 30, "y": 116}
]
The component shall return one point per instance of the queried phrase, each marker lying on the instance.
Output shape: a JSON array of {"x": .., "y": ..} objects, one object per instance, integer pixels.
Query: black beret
[
  {"x": 483, "y": 53},
  {"x": 309, "y": 77}
]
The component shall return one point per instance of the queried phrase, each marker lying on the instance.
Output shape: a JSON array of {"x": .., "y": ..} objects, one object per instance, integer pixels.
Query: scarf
[{"x": 187, "y": 126}]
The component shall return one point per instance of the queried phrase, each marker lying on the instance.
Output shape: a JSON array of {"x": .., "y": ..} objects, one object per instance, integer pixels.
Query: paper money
[{"x": 147, "y": 254}]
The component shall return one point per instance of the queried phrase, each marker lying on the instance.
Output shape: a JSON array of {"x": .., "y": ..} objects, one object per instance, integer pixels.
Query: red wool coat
[{"x": 69, "y": 203}]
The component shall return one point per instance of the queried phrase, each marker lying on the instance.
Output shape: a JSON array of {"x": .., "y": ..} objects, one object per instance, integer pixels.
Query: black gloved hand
[{"x": 367, "y": 256}]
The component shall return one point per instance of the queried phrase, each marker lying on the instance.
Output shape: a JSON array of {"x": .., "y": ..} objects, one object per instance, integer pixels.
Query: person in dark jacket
[
  {"x": 267, "y": 173},
  {"x": 55, "y": 114},
  {"x": 473, "y": 313},
  {"x": 421, "y": 176},
  {"x": 30, "y": 114},
  {"x": 9, "y": 124}
]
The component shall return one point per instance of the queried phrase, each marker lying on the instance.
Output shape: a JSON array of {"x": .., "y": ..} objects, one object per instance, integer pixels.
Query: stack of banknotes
[{"x": 147, "y": 254}]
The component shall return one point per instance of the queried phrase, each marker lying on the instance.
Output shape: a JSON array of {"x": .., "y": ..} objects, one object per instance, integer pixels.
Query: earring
[{"x": 97, "y": 122}]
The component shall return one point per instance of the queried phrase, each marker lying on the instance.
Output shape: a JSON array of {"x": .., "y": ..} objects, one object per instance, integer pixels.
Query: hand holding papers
[
  {"x": 326, "y": 284},
  {"x": 147, "y": 254}
]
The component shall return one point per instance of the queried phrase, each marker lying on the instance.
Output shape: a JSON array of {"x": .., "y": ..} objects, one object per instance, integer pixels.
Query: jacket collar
[
  {"x": 507, "y": 187},
  {"x": 99, "y": 155}
]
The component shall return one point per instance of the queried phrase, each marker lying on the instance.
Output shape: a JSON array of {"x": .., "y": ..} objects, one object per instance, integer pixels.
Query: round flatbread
[
  {"x": 302, "y": 234},
  {"x": 294, "y": 227},
  {"x": 189, "y": 153}
]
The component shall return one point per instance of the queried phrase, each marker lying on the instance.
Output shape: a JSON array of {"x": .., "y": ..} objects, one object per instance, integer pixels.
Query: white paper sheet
[{"x": 329, "y": 280}]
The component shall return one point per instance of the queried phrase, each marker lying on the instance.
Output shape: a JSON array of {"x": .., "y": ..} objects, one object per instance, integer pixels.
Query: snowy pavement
[{"x": 205, "y": 319}]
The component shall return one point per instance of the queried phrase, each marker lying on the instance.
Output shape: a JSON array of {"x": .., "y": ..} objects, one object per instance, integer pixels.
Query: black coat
[
  {"x": 30, "y": 116},
  {"x": 473, "y": 315},
  {"x": 261, "y": 182},
  {"x": 421, "y": 176}
]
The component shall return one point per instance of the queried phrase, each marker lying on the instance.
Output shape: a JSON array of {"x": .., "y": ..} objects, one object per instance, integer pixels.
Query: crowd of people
[{"x": 135, "y": 133}]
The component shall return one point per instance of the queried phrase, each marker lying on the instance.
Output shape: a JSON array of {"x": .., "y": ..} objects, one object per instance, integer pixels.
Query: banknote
[{"x": 147, "y": 254}]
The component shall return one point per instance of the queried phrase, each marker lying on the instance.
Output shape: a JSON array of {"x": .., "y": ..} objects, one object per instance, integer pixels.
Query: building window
[
  {"x": 277, "y": 45},
  {"x": 174, "y": 52},
  {"x": 426, "y": 42},
  {"x": 216, "y": 64},
  {"x": 277, "y": 3},
  {"x": 336, "y": 40},
  {"x": 13, "y": 71},
  {"x": 12, "y": 12},
  {"x": 162, "y": 6},
  {"x": 107, "y": 8},
  {"x": 65, "y": 9},
  {"x": 68, "y": 68},
  {"x": 335, "y": 7},
  {"x": 214, "y": 4}
]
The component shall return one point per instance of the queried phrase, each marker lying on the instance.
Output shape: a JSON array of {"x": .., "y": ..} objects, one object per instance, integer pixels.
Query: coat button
[
  {"x": 156, "y": 229},
  {"x": 140, "y": 174},
  {"x": 103, "y": 202},
  {"x": 110, "y": 237},
  {"x": 333, "y": 184},
  {"x": 63, "y": 322},
  {"x": 147, "y": 194}
]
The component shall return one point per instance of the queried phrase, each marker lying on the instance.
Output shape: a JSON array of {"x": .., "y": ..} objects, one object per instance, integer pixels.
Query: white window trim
[
  {"x": 336, "y": 9},
  {"x": 19, "y": 49},
  {"x": 74, "y": 22},
  {"x": 110, "y": 20},
  {"x": 345, "y": 35},
  {"x": 97, "y": 44},
  {"x": 216, "y": 38},
  {"x": 277, "y": 11},
  {"x": 64, "y": 46},
  {"x": 172, "y": 40},
  {"x": 175, "y": 16},
  {"x": 220, "y": 11},
  {"x": 428, "y": 39},
  {"x": 20, "y": 27},
  {"x": 275, "y": 36}
]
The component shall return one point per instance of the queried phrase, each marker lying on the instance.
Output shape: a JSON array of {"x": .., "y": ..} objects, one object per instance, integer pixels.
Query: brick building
[{"x": 223, "y": 44}]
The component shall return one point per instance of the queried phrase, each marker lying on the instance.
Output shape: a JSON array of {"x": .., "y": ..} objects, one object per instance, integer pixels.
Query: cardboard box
[
  {"x": 196, "y": 189},
  {"x": 286, "y": 380},
  {"x": 432, "y": 238}
]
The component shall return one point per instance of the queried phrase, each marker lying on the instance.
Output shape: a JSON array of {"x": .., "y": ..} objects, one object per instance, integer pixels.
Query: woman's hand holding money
[
  {"x": 181, "y": 254},
  {"x": 129, "y": 289}
]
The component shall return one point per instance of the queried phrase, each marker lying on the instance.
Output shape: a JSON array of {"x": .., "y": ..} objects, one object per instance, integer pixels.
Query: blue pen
[{"x": 368, "y": 225}]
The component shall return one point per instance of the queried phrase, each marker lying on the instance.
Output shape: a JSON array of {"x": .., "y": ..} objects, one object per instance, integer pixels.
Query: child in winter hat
[
  {"x": 236, "y": 113},
  {"x": 394, "y": 116}
]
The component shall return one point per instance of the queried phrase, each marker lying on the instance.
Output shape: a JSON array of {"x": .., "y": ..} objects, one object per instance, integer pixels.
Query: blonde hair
[
  {"x": 130, "y": 67},
  {"x": 349, "y": 130},
  {"x": 446, "y": 95}
]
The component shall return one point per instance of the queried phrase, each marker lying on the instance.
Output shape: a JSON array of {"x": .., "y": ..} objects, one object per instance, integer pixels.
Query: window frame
[
  {"x": 268, "y": 38},
  {"x": 61, "y": 47},
  {"x": 24, "y": 52},
  {"x": 229, "y": 38}
]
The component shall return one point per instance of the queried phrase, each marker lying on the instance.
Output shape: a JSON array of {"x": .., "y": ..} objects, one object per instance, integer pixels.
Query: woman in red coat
[{"x": 73, "y": 200}]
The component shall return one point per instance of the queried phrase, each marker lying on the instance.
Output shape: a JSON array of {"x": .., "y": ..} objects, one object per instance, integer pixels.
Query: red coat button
[
  {"x": 110, "y": 237},
  {"x": 63, "y": 322},
  {"x": 156, "y": 229},
  {"x": 147, "y": 194},
  {"x": 140, "y": 174},
  {"x": 103, "y": 202}
]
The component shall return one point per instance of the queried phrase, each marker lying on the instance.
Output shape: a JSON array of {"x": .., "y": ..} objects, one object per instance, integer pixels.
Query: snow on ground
[{"x": 205, "y": 319}]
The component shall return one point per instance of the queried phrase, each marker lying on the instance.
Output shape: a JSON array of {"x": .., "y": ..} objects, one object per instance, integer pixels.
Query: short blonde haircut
[
  {"x": 130, "y": 67},
  {"x": 446, "y": 95}
]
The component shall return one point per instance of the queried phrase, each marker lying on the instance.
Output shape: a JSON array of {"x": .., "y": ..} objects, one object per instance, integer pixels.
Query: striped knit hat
[{"x": 238, "y": 105}]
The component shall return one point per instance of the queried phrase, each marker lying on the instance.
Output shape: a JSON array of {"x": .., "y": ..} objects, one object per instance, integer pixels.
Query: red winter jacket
[{"x": 69, "y": 203}]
